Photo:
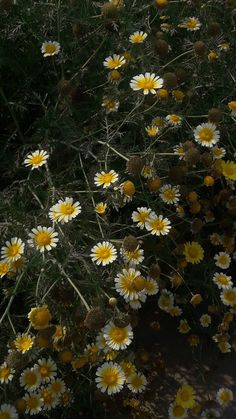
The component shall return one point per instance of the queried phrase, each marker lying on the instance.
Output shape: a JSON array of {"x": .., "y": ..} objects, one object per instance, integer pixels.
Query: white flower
[
  {"x": 170, "y": 194},
  {"x": 147, "y": 82},
  {"x": 136, "y": 382},
  {"x": 50, "y": 48},
  {"x": 117, "y": 337},
  {"x": 7, "y": 411},
  {"x": 43, "y": 238},
  {"x": 13, "y": 250},
  {"x": 222, "y": 260},
  {"x": 64, "y": 211},
  {"x": 206, "y": 134},
  {"x": 36, "y": 159},
  {"x": 114, "y": 62},
  {"x": 110, "y": 378},
  {"x": 138, "y": 37},
  {"x": 205, "y": 320},
  {"x": 158, "y": 225},
  {"x": 103, "y": 253}
]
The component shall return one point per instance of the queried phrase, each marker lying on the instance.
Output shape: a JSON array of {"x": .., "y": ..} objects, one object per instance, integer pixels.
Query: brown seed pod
[
  {"x": 64, "y": 87},
  {"x": 154, "y": 271},
  {"x": 95, "y": 319},
  {"x": 214, "y": 29},
  {"x": 17, "y": 360},
  {"x": 154, "y": 184},
  {"x": 181, "y": 74},
  {"x": 200, "y": 49},
  {"x": 206, "y": 159},
  {"x": 162, "y": 47},
  {"x": 159, "y": 35},
  {"x": 122, "y": 321},
  {"x": 135, "y": 165},
  {"x": 110, "y": 11},
  {"x": 192, "y": 156},
  {"x": 6, "y": 5},
  {"x": 170, "y": 80},
  {"x": 130, "y": 243},
  {"x": 215, "y": 115},
  {"x": 196, "y": 225}
]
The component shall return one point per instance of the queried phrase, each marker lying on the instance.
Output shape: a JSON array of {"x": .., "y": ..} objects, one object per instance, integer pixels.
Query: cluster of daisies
[{"x": 186, "y": 403}]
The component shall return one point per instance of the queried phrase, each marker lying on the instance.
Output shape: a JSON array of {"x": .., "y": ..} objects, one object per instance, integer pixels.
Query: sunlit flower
[
  {"x": 177, "y": 412},
  {"x": 103, "y": 253},
  {"x": 46, "y": 368},
  {"x": 152, "y": 130},
  {"x": 133, "y": 257},
  {"x": 128, "y": 368},
  {"x": 43, "y": 238},
  {"x": 40, "y": 317},
  {"x": 179, "y": 151},
  {"x": 110, "y": 105},
  {"x": 136, "y": 382},
  {"x": 218, "y": 152},
  {"x": 185, "y": 396},
  {"x": 174, "y": 120},
  {"x": 222, "y": 260},
  {"x": 222, "y": 280},
  {"x": 13, "y": 250},
  {"x": 184, "y": 326},
  {"x": 205, "y": 320},
  {"x": 228, "y": 296},
  {"x": 50, "y": 48},
  {"x": 33, "y": 403},
  {"x": 138, "y": 37},
  {"x": 151, "y": 286},
  {"x": 147, "y": 82},
  {"x": 100, "y": 208},
  {"x": 114, "y": 62},
  {"x": 64, "y": 211},
  {"x": 191, "y": 24},
  {"x": 23, "y": 342},
  {"x": 114, "y": 76},
  {"x": 229, "y": 169},
  {"x": 224, "y": 396},
  {"x": 169, "y": 194},
  {"x": 7, "y": 411},
  {"x": 141, "y": 216},
  {"x": 110, "y": 378},
  {"x": 105, "y": 179},
  {"x": 148, "y": 171},
  {"x": 117, "y": 337},
  {"x": 232, "y": 107},
  {"x": 6, "y": 373},
  {"x": 5, "y": 267},
  {"x": 36, "y": 159},
  {"x": 206, "y": 134},
  {"x": 158, "y": 225},
  {"x": 166, "y": 300},
  {"x": 30, "y": 379},
  {"x": 129, "y": 283},
  {"x": 193, "y": 252},
  {"x": 224, "y": 46},
  {"x": 165, "y": 27}
]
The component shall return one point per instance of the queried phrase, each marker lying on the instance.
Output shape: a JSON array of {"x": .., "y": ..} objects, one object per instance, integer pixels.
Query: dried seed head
[
  {"x": 122, "y": 321},
  {"x": 6, "y": 5},
  {"x": 196, "y": 225},
  {"x": 154, "y": 184},
  {"x": 154, "y": 271},
  {"x": 162, "y": 47},
  {"x": 170, "y": 80},
  {"x": 130, "y": 243},
  {"x": 95, "y": 319},
  {"x": 214, "y": 115},
  {"x": 214, "y": 29},
  {"x": 192, "y": 156},
  {"x": 206, "y": 159},
  {"x": 181, "y": 74},
  {"x": 200, "y": 49},
  {"x": 17, "y": 360},
  {"x": 135, "y": 165},
  {"x": 110, "y": 11}
]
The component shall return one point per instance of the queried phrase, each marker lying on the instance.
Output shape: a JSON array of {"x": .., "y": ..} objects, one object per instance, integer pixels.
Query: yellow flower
[
  {"x": 100, "y": 208},
  {"x": 138, "y": 37},
  {"x": 4, "y": 268},
  {"x": 185, "y": 396},
  {"x": 128, "y": 368},
  {"x": 13, "y": 250},
  {"x": 152, "y": 130},
  {"x": 64, "y": 211},
  {"x": 36, "y": 159},
  {"x": 23, "y": 342},
  {"x": 232, "y": 107},
  {"x": 105, "y": 179},
  {"x": 117, "y": 337},
  {"x": 6, "y": 373},
  {"x": 110, "y": 378},
  {"x": 50, "y": 48},
  {"x": 147, "y": 82},
  {"x": 193, "y": 252},
  {"x": 174, "y": 119},
  {"x": 103, "y": 253},
  {"x": 43, "y": 238},
  {"x": 40, "y": 317},
  {"x": 114, "y": 62},
  {"x": 229, "y": 169}
]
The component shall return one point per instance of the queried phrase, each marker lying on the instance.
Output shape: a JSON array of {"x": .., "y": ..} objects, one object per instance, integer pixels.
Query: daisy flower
[
  {"x": 34, "y": 403},
  {"x": 50, "y": 48},
  {"x": 224, "y": 347},
  {"x": 136, "y": 303},
  {"x": 191, "y": 24},
  {"x": 30, "y": 379},
  {"x": 50, "y": 400},
  {"x": 23, "y": 342},
  {"x": 158, "y": 225},
  {"x": 170, "y": 194},
  {"x": 151, "y": 286},
  {"x": 46, "y": 368},
  {"x": 127, "y": 284},
  {"x": 43, "y": 238},
  {"x": 36, "y": 159},
  {"x": 186, "y": 396},
  {"x": 184, "y": 326},
  {"x": 179, "y": 151},
  {"x": 166, "y": 300},
  {"x": 193, "y": 252},
  {"x": 110, "y": 378},
  {"x": 114, "y": 76},
  {"x": 133, "y": 257},
  {"x": 218, "y": 152},
  {"x": 147, "y": 82},
  {"x": 206, "y": 134},
  {"x": 5, "y": 267},
  {"x": 105, "y": 179},
  {"x": 224, "y": 396},
  {"x": 7, "y": 411},
  {"x": 40, "y": 317},
  {"x": 100, "y": 208},
  {"x": 103, "y": 253},
  {"x": 141, "y": 216},
  {"x": 177, "y": 412},
  {"x": 64, "y": 211},
  {"x": 152, "y": 130},
  {"x": 136, "y": 382},
  {"x": 174, "y": 120},
  {"x": 110, "y": 105},
  {"x": 115, "y": 61},
  {"x": 232, "y": 107},
  {"x": 57, "y": 386},
  {"x": 222, "y": 260},
  {"x": 222, "y": 280},
  {"x": 229, "y": 169},
  {"x": 117, "y": 337},
  {"x": 205, "y": 320},
  {"x": 17, "y": 265},
  {"x": 138, "y": 37},
  {"x": 175, "y": 311},
  {"x": 228, "y": 296},
  {"x": 6, "y": 373},
  {"x": 13, "y": 250},
  {"x": 210, "y": 414}
]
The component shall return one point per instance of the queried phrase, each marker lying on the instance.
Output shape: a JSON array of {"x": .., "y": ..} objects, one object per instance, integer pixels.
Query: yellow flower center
[
  {"x": 5, "y": 415},
  {"x": 232, "y": 105},
  {"x": 158, "y": 225},
  {"x": 184, "y": 395},
  {"x": 110, "y": 377},
  {"x": 138, "y": 38},
  {"x": 36, "y": 159},
  {"x": 103, "y": 253},
  {"x": 47, "y": 396},
  {"x": 146, "y": 83},
  {"x": 118, "y": 334},
  {"x": 13, "y": 250},
  {"x": 193, "y": 252},
  {"x": 106, "y": 178},
  {"x": 175, "y": 118},
  {"x": 222, "y": 279},
  {"x": 143, "y": 217},
  {"x": 115, "y": 63},
  {"x": 32, "y": 402},
  {"x": 24, "y": 344},
  {"x": 225, "y": 396},
  {"x": 231, "y": 296},
  {"x": 30, "y": 378},
  {"x": 178, "y": 411},
  {"x": 67, "y": 209},
  {"x": 170, "y": 195},
  {"x": 45, "y": 370},
  {"x": 191, "y": 24},
  {"x": 4, "y": 373},
  {"x": 40, "y": 317},
  {"x": 43, "y": 238},
  {"x": 56, "y": 387},
  {"x": 50, "y": 48},
  {"x": 223, "y": 260},
  {"x": 206, "y": 134},
  {"x": 136, "y": 381},
  {"x": 4, "y": 268}
]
